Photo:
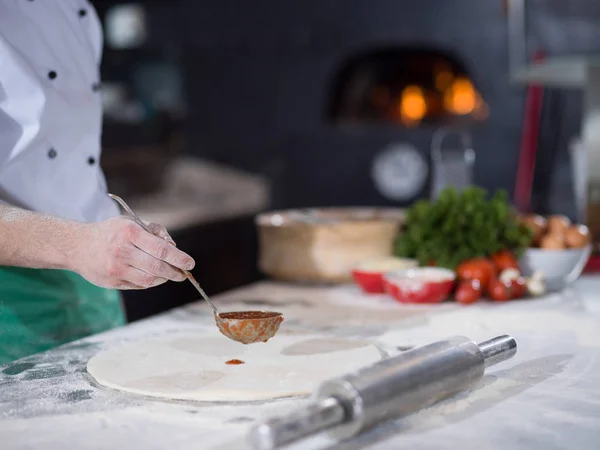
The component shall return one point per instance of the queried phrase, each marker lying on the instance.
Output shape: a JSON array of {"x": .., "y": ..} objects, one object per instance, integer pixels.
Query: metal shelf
[{"x": 559, "y": 72}]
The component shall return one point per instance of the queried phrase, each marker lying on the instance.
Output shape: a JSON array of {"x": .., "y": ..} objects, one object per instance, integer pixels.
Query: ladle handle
[
  {"x": 192, "y": 280},
  {"x": 187, "y": 274},
  {"x": 133, "y": 215}
]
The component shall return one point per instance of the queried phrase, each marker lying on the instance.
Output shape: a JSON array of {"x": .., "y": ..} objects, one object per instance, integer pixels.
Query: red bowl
[
  {"x": 369, "y": 282},
  {"x": 369, "y": 274},
  {"x": 420, "y": 285}
]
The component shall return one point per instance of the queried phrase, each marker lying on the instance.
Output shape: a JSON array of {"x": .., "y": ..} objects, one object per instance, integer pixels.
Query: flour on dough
[{"x": 192, "y": 366}]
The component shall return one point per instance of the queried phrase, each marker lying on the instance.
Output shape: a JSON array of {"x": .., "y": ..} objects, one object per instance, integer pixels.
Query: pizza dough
[{"x": 193, "y": 366}]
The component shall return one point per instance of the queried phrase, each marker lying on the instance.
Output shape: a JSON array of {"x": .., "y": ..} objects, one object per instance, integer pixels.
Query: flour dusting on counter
[{"x": 547, "y": 396}]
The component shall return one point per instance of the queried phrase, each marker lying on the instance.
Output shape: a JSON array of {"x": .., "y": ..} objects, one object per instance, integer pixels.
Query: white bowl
[{"x": 558, "y": 267}]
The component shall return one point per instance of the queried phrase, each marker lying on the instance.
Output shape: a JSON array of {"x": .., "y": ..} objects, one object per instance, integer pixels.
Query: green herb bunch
[{"x": 460, "y": 226}]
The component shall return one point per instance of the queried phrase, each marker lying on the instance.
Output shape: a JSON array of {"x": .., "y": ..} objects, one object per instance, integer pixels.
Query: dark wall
[
  {"x": 564, "y": 27},
  {"x": 260, "y": 74}
]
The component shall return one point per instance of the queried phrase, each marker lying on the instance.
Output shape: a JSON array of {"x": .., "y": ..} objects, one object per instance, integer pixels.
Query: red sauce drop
[{"x": 234, "y": 362}]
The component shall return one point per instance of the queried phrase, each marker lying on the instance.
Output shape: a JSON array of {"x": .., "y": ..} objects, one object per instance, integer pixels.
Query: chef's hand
[{"x": 119, "y": 254}]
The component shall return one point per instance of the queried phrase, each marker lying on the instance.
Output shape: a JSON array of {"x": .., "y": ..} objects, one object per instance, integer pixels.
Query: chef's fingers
[
  {"x": 153, "y": 266},
  {"x": 160, "y": 231},
  {"x": 160, "y": 249},
  {"x": 140, "y": 279}
]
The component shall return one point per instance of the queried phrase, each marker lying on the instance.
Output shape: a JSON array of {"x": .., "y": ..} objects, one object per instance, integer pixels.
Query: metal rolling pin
[{"x": 391, "y": 388}]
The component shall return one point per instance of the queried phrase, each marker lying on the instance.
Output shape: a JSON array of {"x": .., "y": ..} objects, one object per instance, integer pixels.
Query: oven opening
[{"x": 405, "y": 87}]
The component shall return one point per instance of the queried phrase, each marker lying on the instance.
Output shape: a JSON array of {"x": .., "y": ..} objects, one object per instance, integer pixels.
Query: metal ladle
[{"x": 246, "y": 327}]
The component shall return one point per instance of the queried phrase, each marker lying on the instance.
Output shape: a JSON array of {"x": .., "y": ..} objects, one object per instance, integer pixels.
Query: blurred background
[{"x": 218, "y": 110}]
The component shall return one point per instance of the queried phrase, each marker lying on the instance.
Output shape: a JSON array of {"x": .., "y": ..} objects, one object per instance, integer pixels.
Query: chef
[{"x": 64, "y": 250}]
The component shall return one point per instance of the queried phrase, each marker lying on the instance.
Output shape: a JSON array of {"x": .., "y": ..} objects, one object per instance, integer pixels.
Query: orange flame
[
  {"x": 460, "y": 98},
  {"x": 413, "y": 106}
]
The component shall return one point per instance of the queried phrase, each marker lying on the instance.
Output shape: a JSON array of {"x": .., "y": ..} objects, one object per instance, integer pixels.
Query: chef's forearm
[{"x": 34, "y": 240}]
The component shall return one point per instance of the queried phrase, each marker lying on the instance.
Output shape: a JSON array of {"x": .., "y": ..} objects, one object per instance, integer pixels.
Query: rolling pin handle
[
  {"x": 316, "y": 417},
  {"x": 498, "y": 349}
]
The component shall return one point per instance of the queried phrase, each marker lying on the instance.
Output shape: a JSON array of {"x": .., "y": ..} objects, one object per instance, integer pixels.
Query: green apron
[{"x": 41, "y": 309}]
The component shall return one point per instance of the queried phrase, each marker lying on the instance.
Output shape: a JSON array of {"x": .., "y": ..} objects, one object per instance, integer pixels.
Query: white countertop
[{"x": 546, "y": 397}]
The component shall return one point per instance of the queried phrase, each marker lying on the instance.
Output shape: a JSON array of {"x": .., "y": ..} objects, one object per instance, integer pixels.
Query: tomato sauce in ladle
[{"x": 246, "y": 327}]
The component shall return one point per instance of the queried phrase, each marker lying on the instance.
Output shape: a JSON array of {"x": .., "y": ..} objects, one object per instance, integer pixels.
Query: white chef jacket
[{"x": 50, "y": 109}]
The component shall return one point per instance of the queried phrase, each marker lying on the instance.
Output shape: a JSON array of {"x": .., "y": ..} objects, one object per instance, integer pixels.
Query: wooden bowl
[{"x": 324, "y": 245}]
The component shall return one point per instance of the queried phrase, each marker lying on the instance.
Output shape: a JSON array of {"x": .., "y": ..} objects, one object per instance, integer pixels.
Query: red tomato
[
  {"x": 507, "y": 290},
  {"x": 468, "y": 292},
  {"x": 480, "y": 269},
  {"x": 504, "y": 260},
  {"x": 517, "y": 288},
  {"x": 498, "y": 290}
]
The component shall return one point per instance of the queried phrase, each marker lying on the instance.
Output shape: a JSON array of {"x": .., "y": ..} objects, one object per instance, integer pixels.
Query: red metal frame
[
  {"x": 593, "y": 264},
  {"x": 529, "y": 143}
]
